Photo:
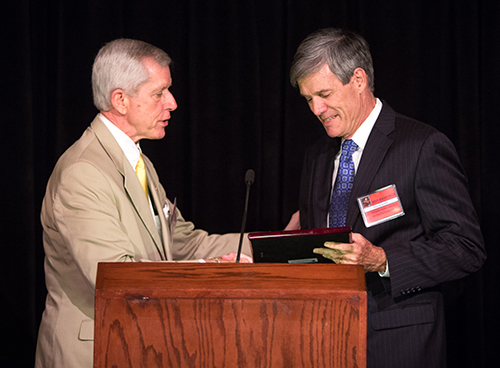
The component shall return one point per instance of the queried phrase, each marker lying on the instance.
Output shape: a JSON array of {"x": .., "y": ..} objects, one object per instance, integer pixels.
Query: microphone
[{"x": 249, "y": 178}]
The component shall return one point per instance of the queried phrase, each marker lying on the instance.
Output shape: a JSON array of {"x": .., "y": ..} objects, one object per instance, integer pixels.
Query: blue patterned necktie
[{"x": 343, "y": 185}]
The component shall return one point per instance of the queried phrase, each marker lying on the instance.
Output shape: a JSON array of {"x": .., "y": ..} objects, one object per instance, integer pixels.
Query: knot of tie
[{"x": 348, "y": 147}]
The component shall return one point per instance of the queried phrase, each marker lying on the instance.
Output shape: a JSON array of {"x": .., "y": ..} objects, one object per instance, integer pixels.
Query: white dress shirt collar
[
  {"x": 361, "y": 135},
  {"x": 131, "y": 150}
]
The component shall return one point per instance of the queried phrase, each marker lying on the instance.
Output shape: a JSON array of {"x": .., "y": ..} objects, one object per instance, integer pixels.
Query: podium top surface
[{"x": 229, "y": 280}]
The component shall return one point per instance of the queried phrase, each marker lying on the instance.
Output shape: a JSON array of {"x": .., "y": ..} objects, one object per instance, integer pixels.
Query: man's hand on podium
[{"x": 229, "y": 258}]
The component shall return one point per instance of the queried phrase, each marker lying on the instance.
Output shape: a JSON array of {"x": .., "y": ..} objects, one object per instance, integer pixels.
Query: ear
[
  {"x": 120, "y": 101},
  {"x": 360, "y": 79}
]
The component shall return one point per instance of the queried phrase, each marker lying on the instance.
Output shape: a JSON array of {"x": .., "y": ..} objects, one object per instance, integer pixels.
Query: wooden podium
[{"x": 229, "y": 315}]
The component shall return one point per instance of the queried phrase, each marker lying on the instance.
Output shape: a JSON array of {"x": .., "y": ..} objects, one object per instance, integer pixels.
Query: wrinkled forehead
[{"x": 317, "y": 82}]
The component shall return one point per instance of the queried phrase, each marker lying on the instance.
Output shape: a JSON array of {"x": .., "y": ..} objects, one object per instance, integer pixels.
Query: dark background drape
[{"x": 436, "y": 61}]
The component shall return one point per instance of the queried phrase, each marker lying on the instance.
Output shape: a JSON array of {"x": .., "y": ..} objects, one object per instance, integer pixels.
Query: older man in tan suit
[{"x": 95, "y": 208}]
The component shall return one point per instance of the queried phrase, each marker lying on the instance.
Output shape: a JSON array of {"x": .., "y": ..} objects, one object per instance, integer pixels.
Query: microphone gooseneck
[{"x": 249, "y": 178}]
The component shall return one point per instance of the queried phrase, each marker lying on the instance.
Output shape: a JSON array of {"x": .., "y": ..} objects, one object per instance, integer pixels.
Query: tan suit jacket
[{"x": 95, "y": 210}]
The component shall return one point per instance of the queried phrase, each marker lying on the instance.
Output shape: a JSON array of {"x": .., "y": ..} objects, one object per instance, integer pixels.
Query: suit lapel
[
  {"x": 130, "y": 183},
  {"x": 323, "y": 178},
  {"x": 141, "y": 204},
  {"x": 374, "y": 153},
  {"x": 159, "y": 204}
]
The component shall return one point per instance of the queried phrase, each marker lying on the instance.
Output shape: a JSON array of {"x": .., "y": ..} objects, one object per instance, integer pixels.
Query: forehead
[
  {"x": 159, "y": 77},
  {"x": 322, "y": 80}
]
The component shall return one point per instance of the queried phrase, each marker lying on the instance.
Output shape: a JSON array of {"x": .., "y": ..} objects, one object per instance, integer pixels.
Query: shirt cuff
[{"x": 386, "y": 273}]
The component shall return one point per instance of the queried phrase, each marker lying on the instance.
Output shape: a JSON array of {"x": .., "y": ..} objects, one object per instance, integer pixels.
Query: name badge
[{"x": 380, "y": 206}]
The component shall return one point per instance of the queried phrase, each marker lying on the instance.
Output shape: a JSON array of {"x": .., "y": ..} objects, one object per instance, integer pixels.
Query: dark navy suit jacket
[{"x": 437, "y": 240}]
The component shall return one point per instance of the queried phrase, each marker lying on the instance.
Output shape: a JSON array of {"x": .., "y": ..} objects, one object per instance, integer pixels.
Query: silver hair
[
  {"x": 119, "y": 64},
  {"x": 343, "y": 51}
]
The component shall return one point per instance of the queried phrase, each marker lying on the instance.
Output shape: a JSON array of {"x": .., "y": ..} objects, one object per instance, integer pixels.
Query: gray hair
[
  {"x": 119, "y": 64},
  {"x": 343, "y": 51}
]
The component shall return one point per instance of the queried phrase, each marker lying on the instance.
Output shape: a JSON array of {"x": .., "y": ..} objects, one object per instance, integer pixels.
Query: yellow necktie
[{"x": 141, "y": 174}]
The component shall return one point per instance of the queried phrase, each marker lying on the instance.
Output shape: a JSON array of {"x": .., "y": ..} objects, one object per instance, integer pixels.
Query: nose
[
  {"x": 169, "y": 103},
  {"x": 317, "y": 106}
]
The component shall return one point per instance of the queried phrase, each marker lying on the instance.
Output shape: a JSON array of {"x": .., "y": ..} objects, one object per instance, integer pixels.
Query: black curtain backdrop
[{"x": 436, "y": 61}]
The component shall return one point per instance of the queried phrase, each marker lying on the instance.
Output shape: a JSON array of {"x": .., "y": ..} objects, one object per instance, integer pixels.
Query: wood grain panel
[{"x": 164, "y": 315}]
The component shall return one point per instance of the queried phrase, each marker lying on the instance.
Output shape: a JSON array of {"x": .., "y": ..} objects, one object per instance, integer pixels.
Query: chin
[
  {"x": 160, "y": 134},
  {"x": 332, "y": 133}
]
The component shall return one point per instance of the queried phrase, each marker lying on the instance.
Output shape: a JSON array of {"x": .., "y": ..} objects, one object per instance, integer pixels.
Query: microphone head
[{"x": 249, "y": 177}]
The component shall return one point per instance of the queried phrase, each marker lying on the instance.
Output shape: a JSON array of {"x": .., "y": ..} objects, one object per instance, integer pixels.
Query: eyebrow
[
  {"x": 161, "y": 89},
  {"x": 318, "y": 92}
]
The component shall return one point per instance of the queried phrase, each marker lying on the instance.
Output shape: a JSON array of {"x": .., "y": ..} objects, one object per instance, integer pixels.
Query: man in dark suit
[{"x": 432, "y": 237}]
